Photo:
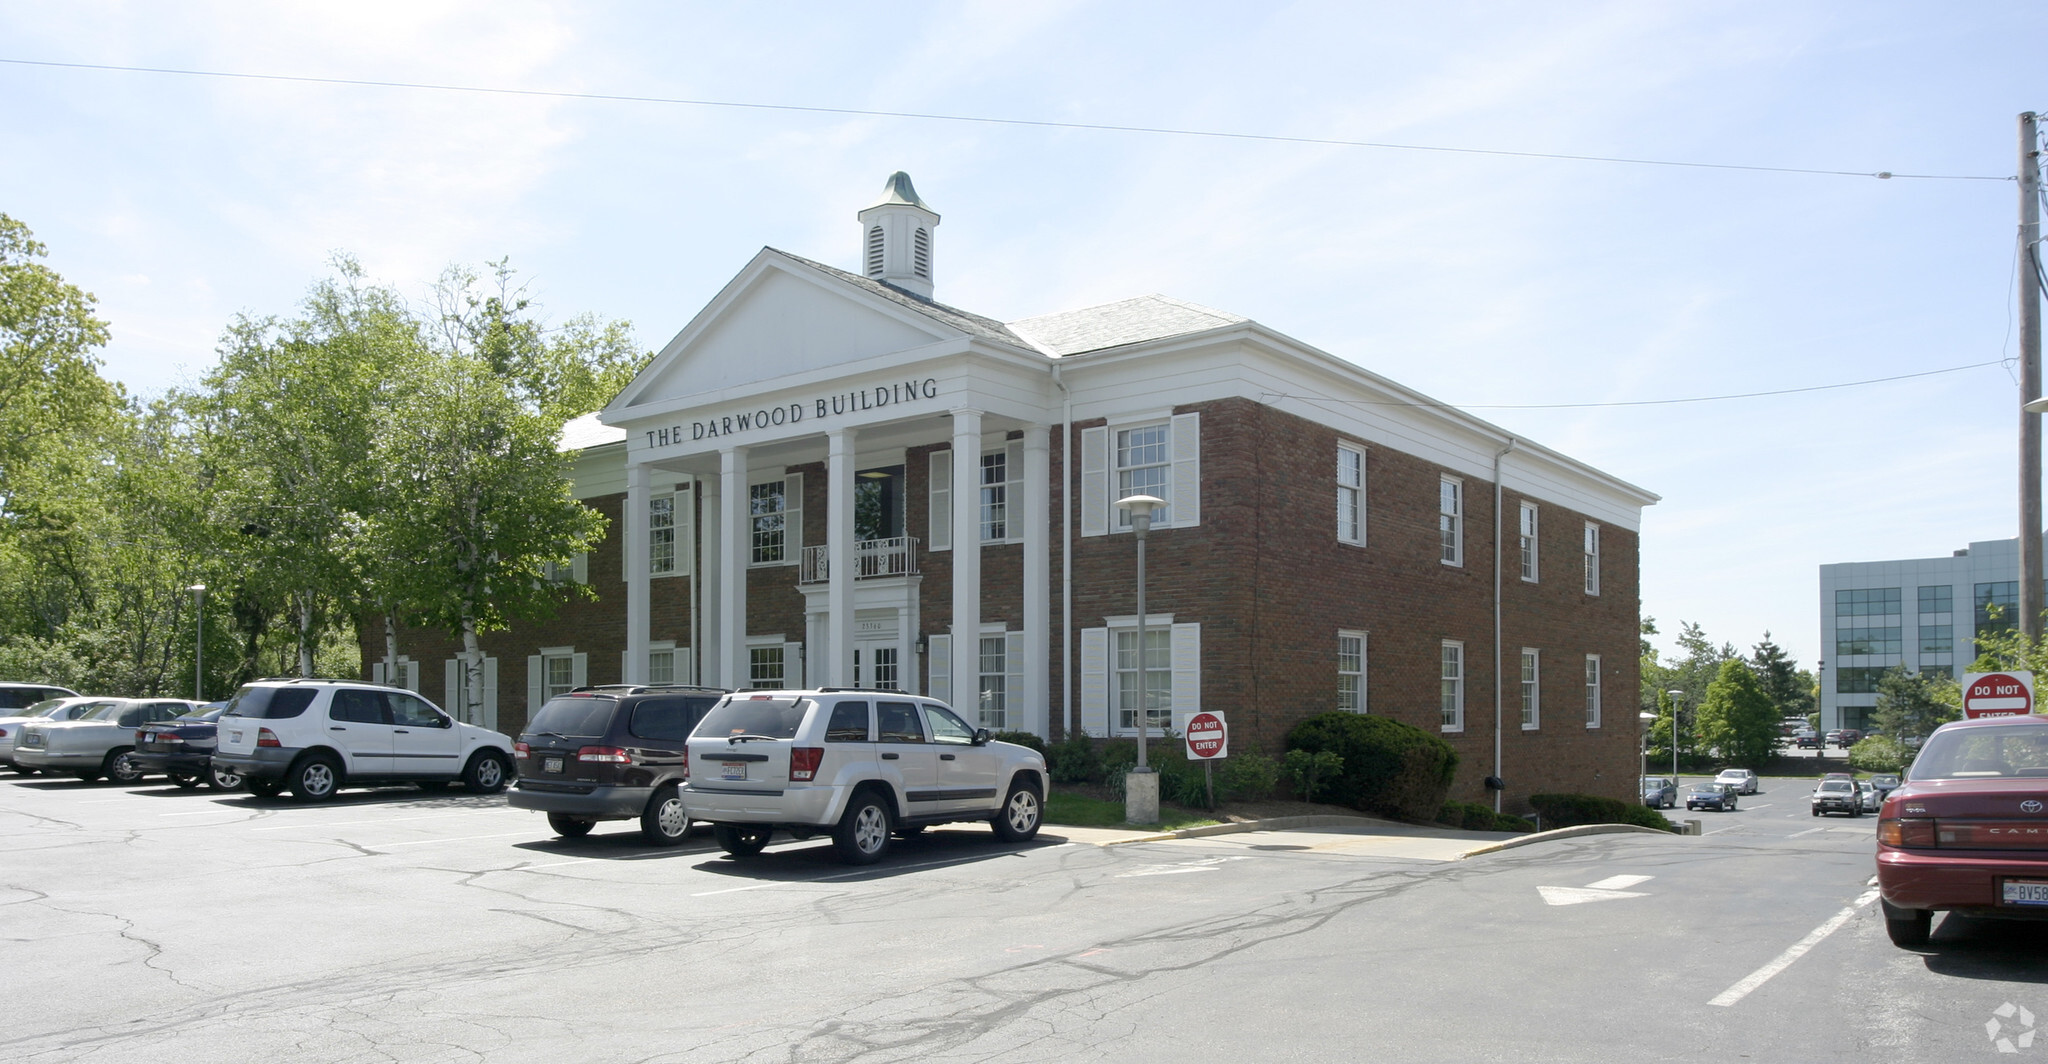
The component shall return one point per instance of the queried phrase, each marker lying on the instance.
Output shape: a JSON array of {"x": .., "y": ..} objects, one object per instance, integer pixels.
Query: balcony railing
[{"x": 871, "y": 558}]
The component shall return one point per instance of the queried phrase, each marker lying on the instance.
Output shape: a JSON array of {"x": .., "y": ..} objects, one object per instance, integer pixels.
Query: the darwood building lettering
[{"x": 840, "y": 403}]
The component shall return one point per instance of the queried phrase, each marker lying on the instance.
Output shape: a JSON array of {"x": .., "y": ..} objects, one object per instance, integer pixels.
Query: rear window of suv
[
  {"x": 776, "y": 718},
  {"x": 667, "y": 719},
  {"x": 269, "y": 703},
  {"x": 580, "y": 718}
]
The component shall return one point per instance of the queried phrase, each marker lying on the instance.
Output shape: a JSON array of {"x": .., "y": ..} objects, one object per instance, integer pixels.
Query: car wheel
[
  {"x": 1908, "y": 928},
  {"x": 486, "y": 773},
  {"x": 120, "y": 767},
  {"x": 570, "y": 827},
  {"x": 224, "y": 778},
  {"x": 741, "y": 840},
  {"x": 185, "y": 780},
  {"x": 315, "y": 779},
  {"x": 665, "y": 823},
  {"x": 862, "y": 836},
  {"x": 264, "y": 788},
  {"x": 1021, "y": 814}
]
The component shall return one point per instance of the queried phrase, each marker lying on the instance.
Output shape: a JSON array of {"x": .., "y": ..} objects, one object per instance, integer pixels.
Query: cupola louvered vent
[
  {"x": 875, "y": 251},
  {"x": 921, "y": 254},
  {"x": 899, "y": 237}
]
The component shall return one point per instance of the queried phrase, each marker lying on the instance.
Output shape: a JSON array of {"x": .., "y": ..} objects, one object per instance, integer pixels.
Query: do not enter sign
[
  {"x": 1998, "y": 694},
  {"x": 1208, "y": 739}
]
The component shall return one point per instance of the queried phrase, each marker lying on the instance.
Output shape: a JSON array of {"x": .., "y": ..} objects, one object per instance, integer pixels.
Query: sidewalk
[{"x": 1356, "y": 836}]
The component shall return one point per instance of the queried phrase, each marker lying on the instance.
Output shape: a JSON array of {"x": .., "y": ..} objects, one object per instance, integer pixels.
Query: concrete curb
[
  {"x": 1278, "y": 823},
  {"x": 1565, "y": 833}
]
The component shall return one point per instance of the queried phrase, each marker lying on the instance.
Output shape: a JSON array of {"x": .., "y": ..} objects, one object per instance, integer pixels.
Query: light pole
[
  {"x": 1141, "y": 785},
  {"x": 1677, "y": 701},
  {"x": 1648, "y": 720},
  {"x": 198, "y": 642}
]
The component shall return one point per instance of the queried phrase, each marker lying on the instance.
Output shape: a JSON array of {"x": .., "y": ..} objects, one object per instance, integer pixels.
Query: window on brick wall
[
  {"x": 1351, "y": 671},
  {"x": 1450, "y": 519},
  {"x": 1592, "y": 690},
  {"x": 1532, "y": 689},
  {"x": 1529, "y": 542},
  {"x": 1592, "y": 558},
  {"x": 1451, "y": 692},
  {"x": 1350, "y": 494}
]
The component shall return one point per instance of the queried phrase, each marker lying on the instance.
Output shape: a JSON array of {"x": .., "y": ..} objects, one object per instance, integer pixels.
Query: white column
[
  {"x": 735, "y": 549},
  {"x": 710, "y": 560},
  {"x": 967, "y": 563},
  {"x": 906, "y": 649},
  {"x": 633, "y": 548},
  {"x": 1037, "y": 578},
  {"x": 837, "y": 668}
]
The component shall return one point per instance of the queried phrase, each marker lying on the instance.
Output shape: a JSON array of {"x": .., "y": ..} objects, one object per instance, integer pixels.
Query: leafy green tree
[
  {"x": 1910, "y": 705},
  {"x": 50, "y": 387},
  {"x": 1657, "y": 737},
  {"x": 1737, "y": 720},
  {"x": 559, "y": 373},
  {"x": 1781, "y": 678}
]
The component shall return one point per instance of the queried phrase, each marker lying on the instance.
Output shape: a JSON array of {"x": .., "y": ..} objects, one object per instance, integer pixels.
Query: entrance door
[{"x": 874, "y": 665}]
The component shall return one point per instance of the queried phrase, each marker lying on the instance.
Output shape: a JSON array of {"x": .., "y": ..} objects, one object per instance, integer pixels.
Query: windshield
[
  {"x": 581, "y": 717},
  {"x": 1985, "y": 752},
  {"x": 1833, "y": 786},
  {"x": 777, "y": 718}
]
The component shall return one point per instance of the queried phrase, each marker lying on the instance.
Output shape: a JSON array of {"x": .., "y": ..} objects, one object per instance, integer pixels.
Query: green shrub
[
  {"x": 1645, "y": 817},
  {"x": 1308, "y": 771},
  {"x": 1507, "y": 822},
  {"x": 1474, "y": 816},
  {"x": 1880, "y": 753},
  {"x": 1075, "y": 760},
  {"x": 1247, "y": 777},
  {"x": 1022, "y": 738},
  {"x": 1571, "y": 810},
  {"x": 1388, "y": 767}
]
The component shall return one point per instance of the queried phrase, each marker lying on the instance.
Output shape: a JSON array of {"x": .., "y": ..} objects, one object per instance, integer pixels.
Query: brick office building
[{"x": 1331, "y": 538}]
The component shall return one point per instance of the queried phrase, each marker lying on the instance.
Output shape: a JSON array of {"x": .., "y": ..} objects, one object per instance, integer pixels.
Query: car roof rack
[
  {"x": 644, "y": 688},
  {"x": 865, "y": 691}
]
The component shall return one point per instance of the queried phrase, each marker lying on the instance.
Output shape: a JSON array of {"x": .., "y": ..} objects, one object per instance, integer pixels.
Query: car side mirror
[
  {"x": 982, "y": 736},
  {"x": 446, "y": 722}
]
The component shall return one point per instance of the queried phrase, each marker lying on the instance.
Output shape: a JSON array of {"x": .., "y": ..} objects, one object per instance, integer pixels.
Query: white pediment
[{"x": 778, "y": 319}]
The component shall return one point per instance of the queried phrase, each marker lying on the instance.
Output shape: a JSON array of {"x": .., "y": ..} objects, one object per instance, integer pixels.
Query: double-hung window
[
  {"x": 1529, "y": 542},
  {"x": 1532, "y": 689},
  {"x": 994, "y": 674},
  {"x": 1148, "y": 686},
  {"x": 765, "y": 666},
  {"x": 1144, "y": 466},
  {"x": 1351, "y": 671},
  {"x": 995, "y": 496},
  {"x": 661, "y": 535},
  {"x": 1350, "y": 494},
  {"x": 775, "y": 508},
  {"x": 1592, "y": 558},
  {"x": 1450, "y": 519},
  {"x": 558, "y": 674},
  {"x": 1592, "y": 690},
  {"x": 1451, "y": 692}
]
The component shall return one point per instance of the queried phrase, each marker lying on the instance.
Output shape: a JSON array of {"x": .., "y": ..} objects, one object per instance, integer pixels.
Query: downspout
[
  {"x": 1068, "y": 724},
  {"x": 1497, "y": 681}
]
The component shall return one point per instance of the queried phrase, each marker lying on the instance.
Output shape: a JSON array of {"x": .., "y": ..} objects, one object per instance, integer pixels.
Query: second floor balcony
[{"x": 872, "y": 558}]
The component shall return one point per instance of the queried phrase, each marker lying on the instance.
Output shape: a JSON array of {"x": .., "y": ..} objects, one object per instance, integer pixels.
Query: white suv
[
  {"x": 317, "y": 736},
  {"x": 862, "y": 765}
]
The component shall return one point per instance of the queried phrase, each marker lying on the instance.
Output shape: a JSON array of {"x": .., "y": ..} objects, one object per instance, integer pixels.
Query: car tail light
[
  {"x": 607, "y": 754},
  {"x": 3, "y": 733},
  {"x": 1908, "y": 831},
  {"x": 803, "y": 763},
  {"x": 522, "y": 751},
  {"x": 686, "y": 763},
  {"x": 266, "y": 737}
]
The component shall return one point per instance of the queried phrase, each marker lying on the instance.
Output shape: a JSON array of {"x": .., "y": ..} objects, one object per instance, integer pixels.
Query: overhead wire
[{"x": 926, "y": 116}]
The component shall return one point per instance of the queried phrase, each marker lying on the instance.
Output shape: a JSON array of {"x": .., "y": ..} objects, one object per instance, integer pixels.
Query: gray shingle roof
[
  {"x": 972, "y": 324},
  {"x": 1129, "y": 321}
]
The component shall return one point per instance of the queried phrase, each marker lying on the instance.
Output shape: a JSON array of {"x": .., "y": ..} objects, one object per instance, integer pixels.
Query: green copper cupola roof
[{"x": 898, "y": 189}]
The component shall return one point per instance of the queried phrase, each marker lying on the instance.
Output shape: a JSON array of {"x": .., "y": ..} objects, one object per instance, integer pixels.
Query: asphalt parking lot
[{"x": 154, "y": 924}]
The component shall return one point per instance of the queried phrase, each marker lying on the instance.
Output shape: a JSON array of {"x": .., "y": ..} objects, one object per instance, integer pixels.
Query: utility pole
[{"x": 2030, "y": 378}]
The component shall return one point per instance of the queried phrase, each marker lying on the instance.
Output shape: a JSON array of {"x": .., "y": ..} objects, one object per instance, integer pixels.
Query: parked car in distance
[
  {"x": 1885, "y": 783},
  {"x": 1868, "y": 800},
  {"x": 1837, "y": 794},
  {"x": 1805, "y": 740},
  {"x": 1720, "y": 797},
  {"x": 99, "y": 743},
  {"x": 1659, "y": 792},
  {"x": 318, "y": 736},
  {"x": 182, "y": 749},
  {"x": 613, "y": 752},
  {"x": 862, "y": 765},
  {"x": 1845, "y": 738},
  {"x": 70, "y": 707},
  {"x": 1968, "y": 829},
  {"x": 1744, "y": 780},
  {"x": 16, "y": 698}
]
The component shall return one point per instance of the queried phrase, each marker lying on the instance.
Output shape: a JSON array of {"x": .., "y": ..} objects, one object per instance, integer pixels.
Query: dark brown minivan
[{"x": 613, "y": 752}]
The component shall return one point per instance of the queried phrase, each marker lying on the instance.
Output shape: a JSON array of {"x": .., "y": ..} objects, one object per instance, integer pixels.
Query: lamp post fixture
[
  {"x": 1141, "y": 785},
  {"x": 198, "y": 642},
  {"x": 1648, "y": 720},
  {"x": 1677, "y": 701}
]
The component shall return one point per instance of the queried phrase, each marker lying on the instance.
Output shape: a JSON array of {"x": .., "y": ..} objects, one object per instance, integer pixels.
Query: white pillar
[
  {"x": 735, "y": 550},
  {"x": 967, "y": 563},
  {"x": 906, "y": 650},
  {"x": 708, "y": 636},
  {"x": 1035, "y": 699},
  {"x": 838, "y": 664},
  {"x": 633, "y": 549}
]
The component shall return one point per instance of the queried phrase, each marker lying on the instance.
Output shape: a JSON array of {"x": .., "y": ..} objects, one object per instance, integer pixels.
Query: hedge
[
  {"x": 1389, "y": 767},
  {"x": 1571, "y": 810}
]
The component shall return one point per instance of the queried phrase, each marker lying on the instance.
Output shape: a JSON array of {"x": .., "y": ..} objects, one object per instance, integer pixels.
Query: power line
[
  {"x": 986, "y": 120},
  {"x": 1633, "y": 402}
]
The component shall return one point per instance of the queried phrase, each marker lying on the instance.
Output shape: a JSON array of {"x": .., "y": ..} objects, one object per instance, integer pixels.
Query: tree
[
  {"x": 50, "y": 386},
  {"x": 557, "y": 373},
  {"x": 1737, "y": 718},
  {"x": 1910, "y": 705},
  {"x": 1781, "y": 678}
]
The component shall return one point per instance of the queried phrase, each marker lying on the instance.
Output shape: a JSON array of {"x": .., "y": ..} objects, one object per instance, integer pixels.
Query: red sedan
[{"x": 1968, "y": 830}]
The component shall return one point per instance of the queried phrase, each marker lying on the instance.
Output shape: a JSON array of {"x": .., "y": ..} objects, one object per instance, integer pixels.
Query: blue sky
[{"x": 1486, "y": 281}]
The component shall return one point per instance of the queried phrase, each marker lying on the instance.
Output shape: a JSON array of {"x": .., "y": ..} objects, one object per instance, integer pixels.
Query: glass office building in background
[{"x": 1919, "y": 614}]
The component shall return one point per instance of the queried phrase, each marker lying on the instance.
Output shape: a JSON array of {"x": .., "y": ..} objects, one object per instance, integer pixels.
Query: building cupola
[{"x": 896, "y": 238}]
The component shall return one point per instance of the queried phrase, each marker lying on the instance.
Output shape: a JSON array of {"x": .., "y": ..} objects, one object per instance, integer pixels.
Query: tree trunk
[
  {"x": 472, "y": 668},
  {"x": 391, "y": 648},
  {"x": 306, "y": 635}
]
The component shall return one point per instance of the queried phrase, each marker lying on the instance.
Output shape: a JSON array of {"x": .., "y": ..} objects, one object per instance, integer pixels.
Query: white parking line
[
  {"x": 1808, "y": 831},
  {"x": 1784, "y": 960}
]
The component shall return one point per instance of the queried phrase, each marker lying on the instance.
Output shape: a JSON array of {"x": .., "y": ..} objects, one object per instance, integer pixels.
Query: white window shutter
[
  {"x": 533, "y": 699},
  {"x": 409, "y": 672},
  {"x": 794, "y": 666},
  {"x": 1014, "y": 715},
  {"x": 579, "y": 567},
  {"x": 686, "y": 536},
  {"x": 940, "y": 511},
  {"x": 489, "y": 716},
  {"x": 1013, "y": 491},
  {"x": 579, "y": 670},
  {"x": 451, "y": 687},
  {"x": 1187, "y": 470},
  {"x": 939, "y": 668},
  {"x": 1095, "y": 482},
  {"x": 1186, "y": 646},
  {"x": 625, "y": 664},
  {"x": 1095, "y": 681},
  {"x": 793, "y": 519}
]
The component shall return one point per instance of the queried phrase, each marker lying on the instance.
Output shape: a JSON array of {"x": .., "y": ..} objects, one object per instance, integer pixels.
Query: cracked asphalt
[{"x": 152, "y": 924}]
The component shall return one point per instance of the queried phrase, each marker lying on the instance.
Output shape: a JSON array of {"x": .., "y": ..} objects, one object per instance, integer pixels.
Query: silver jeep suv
[{"x": 863, "y": 765}]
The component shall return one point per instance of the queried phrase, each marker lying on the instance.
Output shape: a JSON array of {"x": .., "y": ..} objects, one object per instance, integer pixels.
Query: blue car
[{"x": 1720, "y": 797}]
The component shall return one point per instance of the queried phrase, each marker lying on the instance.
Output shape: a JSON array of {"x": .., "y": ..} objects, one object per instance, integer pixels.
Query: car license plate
[
  {"x": 732, "y": 770},
  {"x": 2024, "y": 892},
  {"x": 551, "y": 764},
  {"x": 234, "y": 737}
]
